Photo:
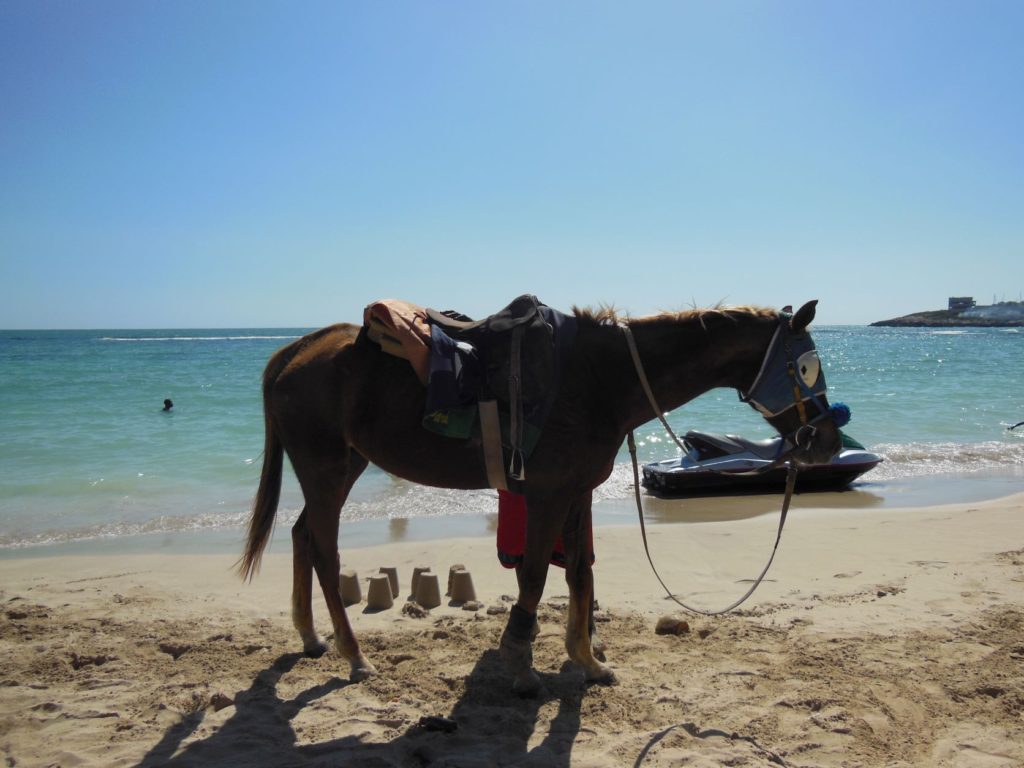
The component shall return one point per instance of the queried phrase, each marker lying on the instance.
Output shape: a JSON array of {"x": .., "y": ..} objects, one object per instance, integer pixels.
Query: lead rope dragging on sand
[{"x": 790, "y": 485}]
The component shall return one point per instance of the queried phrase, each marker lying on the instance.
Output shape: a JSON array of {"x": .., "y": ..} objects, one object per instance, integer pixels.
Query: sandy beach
[{"x": 887, "y": 637}]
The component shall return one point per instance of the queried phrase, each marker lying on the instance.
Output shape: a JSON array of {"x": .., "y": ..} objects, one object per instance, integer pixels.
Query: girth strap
[
  {"x": 490, "y": 436},
  {"x": 516, "y": 466}
]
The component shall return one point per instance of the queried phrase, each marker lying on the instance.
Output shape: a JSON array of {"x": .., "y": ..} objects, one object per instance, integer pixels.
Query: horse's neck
[{"x": 685, "y": 356}]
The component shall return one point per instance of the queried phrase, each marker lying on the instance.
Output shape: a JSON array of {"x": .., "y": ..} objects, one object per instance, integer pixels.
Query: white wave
[
  {"x": 116, "y": 530},
  {"x": 920, "y": 459},
  {"x": 408, "y": 500},
  {"x": 196, "y": 338}
]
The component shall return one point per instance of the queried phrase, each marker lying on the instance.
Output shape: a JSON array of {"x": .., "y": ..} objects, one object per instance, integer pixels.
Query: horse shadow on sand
[{"x": 489, "y": 729}]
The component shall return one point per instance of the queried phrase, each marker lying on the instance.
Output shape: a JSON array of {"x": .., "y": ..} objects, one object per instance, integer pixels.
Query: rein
[{"x": 779, "y": 461}]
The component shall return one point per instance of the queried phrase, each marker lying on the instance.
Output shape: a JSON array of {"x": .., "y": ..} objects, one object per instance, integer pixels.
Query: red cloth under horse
[{"x": 512, "y": 532}]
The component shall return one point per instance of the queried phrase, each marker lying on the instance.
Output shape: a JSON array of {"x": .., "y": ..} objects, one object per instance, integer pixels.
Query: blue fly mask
[{"x": 790, "y": 377}]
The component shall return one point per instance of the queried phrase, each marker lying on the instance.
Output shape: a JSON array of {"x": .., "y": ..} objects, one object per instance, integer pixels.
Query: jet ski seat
[{"x": 708, "y": 445}]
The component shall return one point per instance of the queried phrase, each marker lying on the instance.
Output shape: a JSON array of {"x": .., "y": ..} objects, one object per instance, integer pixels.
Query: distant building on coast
[{"x": 964, "y": 311}]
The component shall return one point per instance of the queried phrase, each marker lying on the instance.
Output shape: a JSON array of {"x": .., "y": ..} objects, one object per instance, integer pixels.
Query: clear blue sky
[{"x": 191, "y": 163}]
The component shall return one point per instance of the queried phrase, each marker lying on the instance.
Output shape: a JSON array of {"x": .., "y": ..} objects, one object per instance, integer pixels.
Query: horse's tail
[{"x": 264, "y": 508}]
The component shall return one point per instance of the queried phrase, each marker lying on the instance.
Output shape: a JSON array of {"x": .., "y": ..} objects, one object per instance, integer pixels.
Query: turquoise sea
[{"x": 89, "y": 460}]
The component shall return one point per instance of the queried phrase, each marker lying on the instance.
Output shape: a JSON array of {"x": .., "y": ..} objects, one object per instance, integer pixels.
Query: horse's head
[{"x": 789, "y": 391}]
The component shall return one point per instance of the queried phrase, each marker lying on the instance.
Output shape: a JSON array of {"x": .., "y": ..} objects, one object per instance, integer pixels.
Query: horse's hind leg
[
  {"x": 580, "y": 577},
  {"x": 326, "y": 487},
  {"x": 597, "y": 645}
]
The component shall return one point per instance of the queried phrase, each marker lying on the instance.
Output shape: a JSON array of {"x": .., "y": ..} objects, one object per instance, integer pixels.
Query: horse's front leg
[
  {"x": 543, "y": 521},
  {"x": 580, "y": 577},
  {"x": 516, "y": 651}
]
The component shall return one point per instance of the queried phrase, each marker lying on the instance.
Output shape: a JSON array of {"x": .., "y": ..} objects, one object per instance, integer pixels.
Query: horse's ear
[{"x": 803, "y": 317}]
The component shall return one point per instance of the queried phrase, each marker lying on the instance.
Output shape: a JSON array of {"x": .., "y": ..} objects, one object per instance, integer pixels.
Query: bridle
[
  {"x": 781, "y": 383},
  {"x": 791, "y": 377}
]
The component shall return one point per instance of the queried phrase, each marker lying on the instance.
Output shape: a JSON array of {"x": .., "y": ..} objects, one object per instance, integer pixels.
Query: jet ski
[{"x": 721, "y": 464}]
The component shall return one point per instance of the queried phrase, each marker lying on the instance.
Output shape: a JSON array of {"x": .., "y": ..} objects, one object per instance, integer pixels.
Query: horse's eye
[{"x": 809, "y": 366}]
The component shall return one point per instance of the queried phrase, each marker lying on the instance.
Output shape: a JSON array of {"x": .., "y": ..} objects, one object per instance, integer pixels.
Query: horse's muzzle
[{"x": 816, "y": 443}]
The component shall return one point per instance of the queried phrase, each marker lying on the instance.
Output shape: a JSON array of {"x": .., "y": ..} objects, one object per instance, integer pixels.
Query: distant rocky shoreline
[{"x": 1008, "y": 314}]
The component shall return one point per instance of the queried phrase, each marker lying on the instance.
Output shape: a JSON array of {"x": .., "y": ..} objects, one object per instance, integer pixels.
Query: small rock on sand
[
  {"x": 415, "y": 610},
  {"x": 670, "y": 625}
]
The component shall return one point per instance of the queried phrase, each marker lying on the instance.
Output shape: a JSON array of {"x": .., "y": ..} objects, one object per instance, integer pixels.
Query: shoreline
[
  {"x": 909, "y": 492},
  {"x": 881, "y": 636}
]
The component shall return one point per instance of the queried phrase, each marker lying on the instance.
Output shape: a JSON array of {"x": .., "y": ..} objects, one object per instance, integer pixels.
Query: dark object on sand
[{"x": 433, "y": 723}]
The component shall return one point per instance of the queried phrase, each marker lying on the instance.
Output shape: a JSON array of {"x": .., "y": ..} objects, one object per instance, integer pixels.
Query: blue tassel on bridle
[{"x": 840, "y": 413}]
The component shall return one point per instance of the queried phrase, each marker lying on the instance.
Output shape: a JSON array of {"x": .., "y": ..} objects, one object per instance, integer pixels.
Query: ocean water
[{"x": 88, "y": 455}]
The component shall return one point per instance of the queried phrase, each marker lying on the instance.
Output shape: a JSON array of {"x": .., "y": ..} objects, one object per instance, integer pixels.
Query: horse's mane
[{"x": 606, "y": 314}]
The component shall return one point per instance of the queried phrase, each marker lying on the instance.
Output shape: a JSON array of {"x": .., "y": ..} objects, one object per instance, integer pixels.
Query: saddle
[{"x": 501, "y": 372}]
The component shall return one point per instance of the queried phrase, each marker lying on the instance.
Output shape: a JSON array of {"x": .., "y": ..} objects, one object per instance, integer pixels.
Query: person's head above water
[{"x": 168, "y": 405}]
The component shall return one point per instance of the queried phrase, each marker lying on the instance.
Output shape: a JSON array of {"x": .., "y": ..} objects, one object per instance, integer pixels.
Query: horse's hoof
[
  {"x": 360, "y": 670},
  {"x": 526, "y": 684},
  {"x": 315, "y": 649},
  {"x": 518, "y": 656},
  {"x": 602, "y": 675}
]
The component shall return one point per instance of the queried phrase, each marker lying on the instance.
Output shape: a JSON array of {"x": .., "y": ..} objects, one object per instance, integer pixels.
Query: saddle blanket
[
  {"x": 402, "y": 330},
  {"x": 512, "y": 533}
]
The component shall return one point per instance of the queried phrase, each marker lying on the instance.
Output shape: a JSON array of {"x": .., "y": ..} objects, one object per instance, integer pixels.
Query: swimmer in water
[{"x": 168, "y": 405}]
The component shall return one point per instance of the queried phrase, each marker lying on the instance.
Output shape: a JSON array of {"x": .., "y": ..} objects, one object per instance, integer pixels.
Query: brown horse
[{"x": 334, "y": 402}]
